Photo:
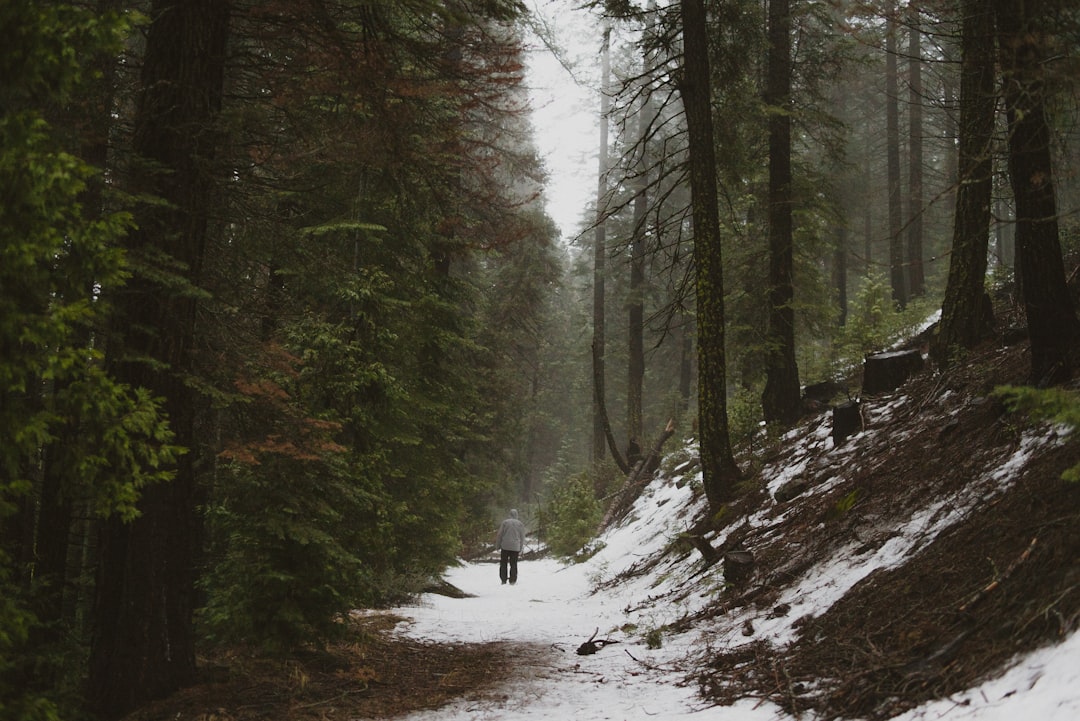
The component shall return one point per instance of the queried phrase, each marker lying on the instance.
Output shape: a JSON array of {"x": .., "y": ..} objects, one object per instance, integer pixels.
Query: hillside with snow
[{"x": 923, "y": 568}]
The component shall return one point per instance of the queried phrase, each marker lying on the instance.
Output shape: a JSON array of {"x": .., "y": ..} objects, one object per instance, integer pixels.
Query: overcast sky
[{"x": 565, "y": 105}]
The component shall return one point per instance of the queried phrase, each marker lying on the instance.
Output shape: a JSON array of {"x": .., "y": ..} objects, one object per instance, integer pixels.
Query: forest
[{"x": 285, "y": 326}]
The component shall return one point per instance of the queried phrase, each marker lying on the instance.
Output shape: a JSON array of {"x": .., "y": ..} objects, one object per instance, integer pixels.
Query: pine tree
[
  {"x": 143, "y": 644},
  {"x": 1048, "y": 304},
  {"x": 781, "y": 397},
  {"x": 105, "y": 442},
  {"x": 720, "y": 471}
]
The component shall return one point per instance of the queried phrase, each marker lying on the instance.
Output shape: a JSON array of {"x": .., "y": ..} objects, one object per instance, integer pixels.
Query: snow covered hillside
[{"x": 925, "y": 568}]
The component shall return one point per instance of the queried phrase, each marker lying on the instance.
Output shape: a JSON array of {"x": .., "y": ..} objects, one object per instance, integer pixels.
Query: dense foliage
[{"x": 69, "y": 432}]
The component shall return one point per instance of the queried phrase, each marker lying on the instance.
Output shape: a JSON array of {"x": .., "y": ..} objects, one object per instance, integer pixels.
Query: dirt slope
[{"x": 1002, "y": 579}]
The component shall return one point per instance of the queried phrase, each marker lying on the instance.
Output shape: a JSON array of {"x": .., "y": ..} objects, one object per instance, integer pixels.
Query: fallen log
[
  {"x": 637, "y": 479},
  {"x": 442, "y": 587}
]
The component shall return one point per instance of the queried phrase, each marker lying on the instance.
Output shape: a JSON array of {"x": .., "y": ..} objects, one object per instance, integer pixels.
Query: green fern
[{"x": 1055, "y": 405}]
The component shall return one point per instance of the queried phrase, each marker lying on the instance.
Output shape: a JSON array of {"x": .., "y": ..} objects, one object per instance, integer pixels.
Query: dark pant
[{"x": 508, "y": 558}]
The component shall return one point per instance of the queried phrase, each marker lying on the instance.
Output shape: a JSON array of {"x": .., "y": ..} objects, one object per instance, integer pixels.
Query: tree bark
[
  {"x": 963, "y": 323},
  {"x": 780, "y": 400},
  {"x": 892, "y": 148},
  {"x": 1051, "y": 317},
  {"x": 599, "y": 445},
  {"x": 951, "y": 129},
  {"x": 840, "y": 273},
  {"x": 637, "y": 479},
  {"x": 605, "y": 423},
  {"x": 915, "y": 276},
  {"x": 719, "y": 470},
  {"x": 142, "y": 644},
  {"x": 686, "y": 365},
  {"x": 636, "y": 311}
]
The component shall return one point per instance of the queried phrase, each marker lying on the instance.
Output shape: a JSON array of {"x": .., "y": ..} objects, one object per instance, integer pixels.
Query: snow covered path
[
  {"x": 553, "y": 609},
  {"x": 550, "y": 612}
]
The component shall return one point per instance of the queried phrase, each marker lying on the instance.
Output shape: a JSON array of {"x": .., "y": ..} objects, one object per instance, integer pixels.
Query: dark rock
[{"x": 791, "y": 489}]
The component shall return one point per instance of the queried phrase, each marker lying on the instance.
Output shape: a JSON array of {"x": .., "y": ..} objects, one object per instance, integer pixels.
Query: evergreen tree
[
  {"x": 964, "y": 321},
  {"x": 1048, "y": 304},
  {"x": 719, "y": 469},
  {"x": 601, "y": 427},
  {"x": 897, "y": 276},
  {"x": 781, "y": 397},
  {"x": 391, "y": 205},
  {"x": 58, "y": 257},
  {"x": 143, "y": 644},
  {"x": 916, "y": 281}
]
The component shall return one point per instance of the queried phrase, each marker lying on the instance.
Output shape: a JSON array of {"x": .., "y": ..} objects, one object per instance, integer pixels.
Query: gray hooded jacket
[{"x": 511, "y": 534}]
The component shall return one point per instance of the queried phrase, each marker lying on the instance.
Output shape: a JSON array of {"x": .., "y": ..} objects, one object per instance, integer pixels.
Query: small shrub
[
  {"x": 654, "y": 639},
  {"x": 874, "y": 322},
  {"x": 573, "y": 514}
]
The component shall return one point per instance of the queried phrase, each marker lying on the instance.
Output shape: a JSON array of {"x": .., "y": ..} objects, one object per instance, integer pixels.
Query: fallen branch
[
  {"x": 594, "y": 644},
  {"x": 989, "y": 588},
  {"x": 651, "y": 667},
  {"x": 313, "y": 704}
]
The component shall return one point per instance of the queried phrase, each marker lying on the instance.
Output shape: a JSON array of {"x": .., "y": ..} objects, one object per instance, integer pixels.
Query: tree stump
[
  {"x": 846, "y": 420},
  {"x": 738, "y": 566},
  {"x": 816, "y": 397},
  {"x": 884, "y": 372}
]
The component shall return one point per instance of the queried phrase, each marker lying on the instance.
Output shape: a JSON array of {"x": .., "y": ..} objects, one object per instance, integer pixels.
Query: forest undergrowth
[{"x": 1000, "y": 581}]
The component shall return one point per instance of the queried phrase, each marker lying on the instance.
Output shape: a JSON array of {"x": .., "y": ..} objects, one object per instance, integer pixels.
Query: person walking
[{"x": 510, "y": 541}]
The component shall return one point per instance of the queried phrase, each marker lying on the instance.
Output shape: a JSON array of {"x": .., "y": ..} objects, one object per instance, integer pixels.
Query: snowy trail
[
  {"x": 550, "y": 612},
  {"x": 553, "y": 609}
]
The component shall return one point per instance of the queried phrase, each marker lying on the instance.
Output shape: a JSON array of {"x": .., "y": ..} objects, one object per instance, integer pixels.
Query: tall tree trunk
[
  {"x": 892, "y": 149},
  {"x": 142, "y": 644},
  {"x": 951, "y": 131},
  {"x": 916, "y": 280},
  {"x": 780, "y": 399},
  {"x": 868, "y": 210},
  {"x": 719, "y": 470},
  {"x": 599, "y": 445},
  {"x": 999, "y": 230},
  {"x": 840, "y": 272},
  {"x": 686, "y": 365},
  {"x": 1051, "y": 317},
  {"x": 963, "y": 320},
  {"x": 636, "y": 311}
]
